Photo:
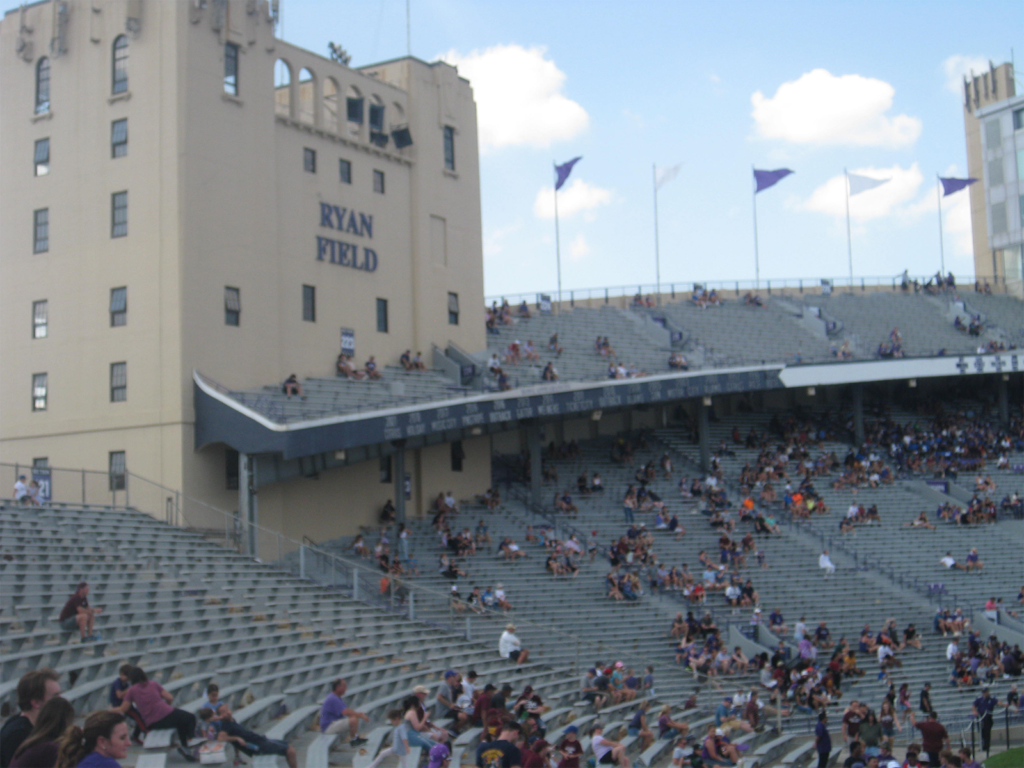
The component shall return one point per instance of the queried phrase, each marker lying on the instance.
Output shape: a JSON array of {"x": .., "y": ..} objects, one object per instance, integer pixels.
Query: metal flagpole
[
  {"x": 757, "y": 260},
  {"x": 657, "y": 255},
  {"x": 849, "y": 240},
  {"x": 942, "y": 248},
  {"x": 558, "y": 246}
]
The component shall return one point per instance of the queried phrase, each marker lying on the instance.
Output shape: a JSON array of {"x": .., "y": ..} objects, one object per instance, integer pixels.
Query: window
[
  {"x": 457, "y": 456},
  {"x": 232, "y": 306},
  {"x": 1018, "y": 119},
  {"x": 345, "y": 171},
  {"x": 378, "y": 182},
  {"x": 43, "y": 86},
  {"x": 998, "y": 218},
  {"x": 41, "y": 230},
  {"x": 382, "y": 315},
  {"x": 119, "y": 138},
  {"x": 309, "y": 303},
  {"x": 385, "y": 469},
  {"x": 40, "y": 319},
  {"x": 41, "y": 157},
  {"x": 118, "y": 307},
  {"x": 230, "y": 469},
  {"x": 995, "y": 172},
  {"x": 453, "y": 309},
  {"x": 119, "y": 214},
  {"x": 309, "y": 160},
  {"x": 449, "y": 148},
  {"x": 377, "y": 118},
  {"x": 39, "y": 389},
  {"x": 117, "y": 470},
  {"x": 118, "y": 382},
  {"x": 119, "y": 78},
  {"x": 231, "y": 72},
  {"x": 41, "y": 462},
  {"x": 354, "y": 110},
  {"x": 993, "y": 134}
]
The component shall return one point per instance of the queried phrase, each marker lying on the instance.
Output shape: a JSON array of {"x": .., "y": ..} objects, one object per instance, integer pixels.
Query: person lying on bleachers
[
  {"x": 245, "y": 741},
  {"x": 155, "y": 706}
]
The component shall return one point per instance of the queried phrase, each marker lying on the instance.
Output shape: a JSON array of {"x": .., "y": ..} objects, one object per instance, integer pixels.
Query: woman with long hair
[
  {"x": 40, "y": 748},
  {"x": 99, "y": 744},
  {"x": 154, "y": 704}
]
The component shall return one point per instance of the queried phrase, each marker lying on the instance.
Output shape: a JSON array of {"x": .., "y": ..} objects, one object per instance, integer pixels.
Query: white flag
[
  {"x": 663, "y": 176},
  {"x": 860, "y": 184}
]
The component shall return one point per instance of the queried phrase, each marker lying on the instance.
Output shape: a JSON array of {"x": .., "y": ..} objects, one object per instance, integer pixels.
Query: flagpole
[
  {"x": 757, "y": 259},
  {"x": 657, "y": 255},
  {"x": 558, "y": 246},
  {"x": 849, "y": 239},
  {"x": 942, "y": 248}
]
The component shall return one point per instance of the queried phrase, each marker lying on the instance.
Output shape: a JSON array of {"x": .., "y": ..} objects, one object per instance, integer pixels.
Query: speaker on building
[{"x": 402, "y": 137}]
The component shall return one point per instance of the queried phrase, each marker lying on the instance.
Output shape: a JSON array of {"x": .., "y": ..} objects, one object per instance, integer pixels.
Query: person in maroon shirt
[
  {"x": 77, "y": 614},
  {"x": 933, "y": 737},
  {"x": 571, "y": 749},
  {"x": 535, "y": 755}
]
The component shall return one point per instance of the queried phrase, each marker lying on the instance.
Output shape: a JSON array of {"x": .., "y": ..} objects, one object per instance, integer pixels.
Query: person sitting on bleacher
[
  {"x": 502, "y": 752},
  {"x": 245, "y": 741},
  {"x": 100, "y": 743},
  {"x": 154, "y": 705},
  {"x": 510, "y": 647},
  {"x": 77, "y": 614},
  {"x": 118, "y": 688},
  {"x": 606, "y": 751},
  {"x": 336, "y": 715}
]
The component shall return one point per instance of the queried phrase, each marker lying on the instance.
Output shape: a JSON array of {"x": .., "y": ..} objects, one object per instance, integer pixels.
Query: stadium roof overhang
[{"x": 220, "y": 418}]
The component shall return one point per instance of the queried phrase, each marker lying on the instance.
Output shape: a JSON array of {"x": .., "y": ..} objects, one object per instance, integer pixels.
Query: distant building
[{"x": 994, "y": 126}]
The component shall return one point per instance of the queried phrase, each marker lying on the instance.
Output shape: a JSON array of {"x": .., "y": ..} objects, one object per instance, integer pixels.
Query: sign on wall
[
  {"x": 42, "y": 476},
  {"x": 348, "y": 342},
  {"x": 346, "y": 253},
  {"x": 545, "y": 304}
]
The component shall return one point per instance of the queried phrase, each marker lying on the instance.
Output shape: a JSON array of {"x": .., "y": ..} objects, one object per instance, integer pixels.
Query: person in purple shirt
[
  {"x": 822, "y": 740},
  {"x": 99, "y": 744},
  {"x": 336, "y": 715}
]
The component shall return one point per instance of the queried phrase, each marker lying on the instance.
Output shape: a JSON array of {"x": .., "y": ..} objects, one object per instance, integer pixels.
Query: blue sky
[{"x": 863, "y": 85}]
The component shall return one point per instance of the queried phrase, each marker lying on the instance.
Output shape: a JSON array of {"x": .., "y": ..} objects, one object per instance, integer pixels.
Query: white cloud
[
  {"x": 519, "y": 97},
  {"x": 714, "y": 78},
  {"x": 822, "y": 108},
  {"x": 573, "y": 198},
  {"x": 578, "y": 248},
  {"x": 494, "y": 239},
  {"x": 958, "y": 66},
  {"x": 888, "y": 199}
]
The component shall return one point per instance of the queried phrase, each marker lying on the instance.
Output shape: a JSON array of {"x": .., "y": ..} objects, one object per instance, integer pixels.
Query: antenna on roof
[{"x": 339, "y": 54}]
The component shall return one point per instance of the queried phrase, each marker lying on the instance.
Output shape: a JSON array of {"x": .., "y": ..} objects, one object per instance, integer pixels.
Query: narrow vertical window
[
  {"x": 40, "y": 319},
  {"x": 117, "y": 470},
  {"x": 230, "y": 469},
  {"x": 118, "y": 382},
  {"x": 41, "y": 230},
  {"x": 231, "y": 69},
  {"x": 453, "y": 309},
  {"x": 345, "y": 171},
  {"x": 377, "y": 118},
  {"x": 308, "y": 160},
  {"x": 119, "y": 138},
  {"x": 119, "y": 214},
  {"x": 354, "y": 110},
  {"x": 232, "y": 306},
  {"x": 382, "y": 315},
  {"x": 309, "y": 303},
  {"x": 39, "y": 391},
  {"x": 449, "y": 148},
  {"x": 457, "y": 456},
  {"x": 43, "y": 86},
  {"x": 378, "y": 182},
  {"x": 385, "y": 469},
  {"x": 119, "y": 76},
  {"x": 41, "y": 157},
  {"x": 118, "y": 307}
]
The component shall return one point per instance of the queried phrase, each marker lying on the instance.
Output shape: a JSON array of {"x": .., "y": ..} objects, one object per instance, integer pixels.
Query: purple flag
[
  {"x": 767, "y": 179},
  {"x": 562, "y": 172},
  {"x": 951, "y": 185}
]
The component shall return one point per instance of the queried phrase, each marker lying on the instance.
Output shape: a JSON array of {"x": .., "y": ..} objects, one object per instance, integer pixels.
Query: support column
[
  {"x": 1004, "y": 400},
  {"x": 247, "y": 511},
  {"x": 398, "y": 478},
  {"x": 536, "y": 478},
  {"x": 704, "y": 434},
  {"x": 858, "y": 414}
]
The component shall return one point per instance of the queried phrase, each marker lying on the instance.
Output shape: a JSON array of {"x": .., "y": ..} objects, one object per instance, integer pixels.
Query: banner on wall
[{"x": 348, "y": 342}]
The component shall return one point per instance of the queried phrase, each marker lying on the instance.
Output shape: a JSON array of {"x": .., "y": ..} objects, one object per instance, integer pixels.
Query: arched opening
[
  {"x": 330, "y": 105},
  {"x": 282, "y": 88},
  {"x": 307, "y": 88},
  {"x": 119, "y": 74},
  {"x": 354, "y": 110},
  {"x": 43, "y": 86},
  {"x": 378, "y": 133}
]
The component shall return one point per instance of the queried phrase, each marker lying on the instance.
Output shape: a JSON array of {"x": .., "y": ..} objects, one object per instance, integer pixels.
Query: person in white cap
[
  {"x": 509, "y": 646},
  {"x": 826, "y": 564}
]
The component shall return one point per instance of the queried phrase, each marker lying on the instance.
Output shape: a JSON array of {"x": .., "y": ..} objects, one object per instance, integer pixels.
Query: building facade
[
  {"x": 991, "y": 160},
  {"x": 182, "y": 191}
]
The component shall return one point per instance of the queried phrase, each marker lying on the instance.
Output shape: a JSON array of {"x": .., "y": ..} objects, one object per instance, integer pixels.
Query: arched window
[
  {"x": 282, "y": 88},
  {"x": 119, "y": 79},
  {"x": 43, "y": 86},
  {"x": 307, "y": 89},
  {"x": 330, "y": 104}
]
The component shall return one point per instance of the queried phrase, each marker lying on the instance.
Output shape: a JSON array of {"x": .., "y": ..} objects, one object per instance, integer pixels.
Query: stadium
[{"x": 747, "y": 524}]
